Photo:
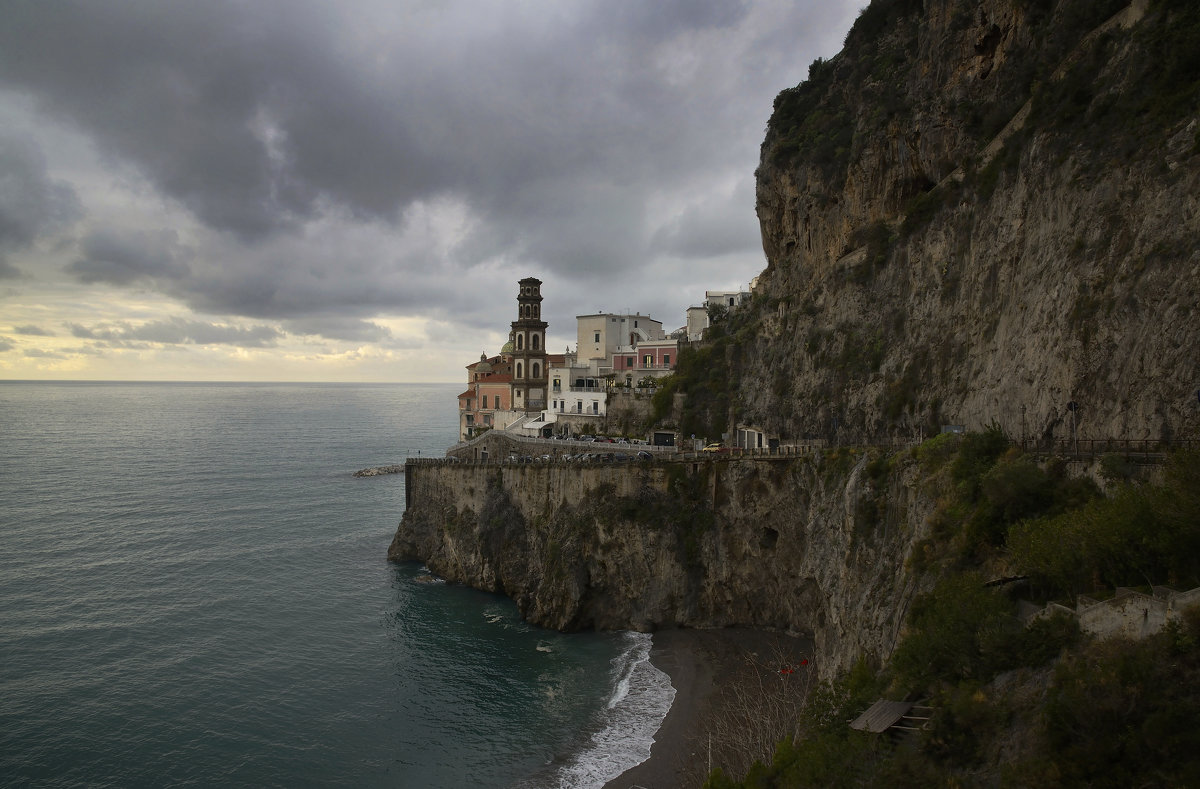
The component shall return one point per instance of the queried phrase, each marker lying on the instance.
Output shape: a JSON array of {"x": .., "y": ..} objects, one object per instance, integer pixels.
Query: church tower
[{"x": 530, "y": 376}]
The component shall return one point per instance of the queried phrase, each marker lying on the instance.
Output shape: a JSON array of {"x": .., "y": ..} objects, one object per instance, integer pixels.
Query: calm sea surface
[{"x": 194, "y": 591}]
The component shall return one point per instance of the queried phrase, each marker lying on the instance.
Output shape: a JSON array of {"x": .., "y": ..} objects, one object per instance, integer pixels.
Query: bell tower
[{"x": 530, "y": 376}]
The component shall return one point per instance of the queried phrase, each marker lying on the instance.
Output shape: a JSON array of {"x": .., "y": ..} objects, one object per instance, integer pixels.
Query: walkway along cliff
[{"x": 809, "y": 544}]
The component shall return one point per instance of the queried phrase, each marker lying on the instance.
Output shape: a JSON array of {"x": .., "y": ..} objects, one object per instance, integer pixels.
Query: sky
[{"x": 292, "y": 190}]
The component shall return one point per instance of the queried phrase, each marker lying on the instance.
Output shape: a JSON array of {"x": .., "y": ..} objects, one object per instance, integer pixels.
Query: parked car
[
  {"x": 717, "y": 448},
  {"x": 644, "y": 455}
]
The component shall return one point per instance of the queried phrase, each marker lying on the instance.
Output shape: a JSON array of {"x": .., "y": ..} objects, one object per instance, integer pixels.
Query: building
[
  {"x": 513, "y": 384},
  {"x": 528, "y": 335},
  {"x": 697, "y": 322},
  {"x": 601, "y": 335},
  {"x": 725, "y": 298}
]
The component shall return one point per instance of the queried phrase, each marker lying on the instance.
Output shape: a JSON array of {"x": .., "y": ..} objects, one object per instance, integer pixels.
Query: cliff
[
  {"x": 980, "y": 212},
  {"x": 977, "y": 213},
  {"x": 813, "y": 544}
]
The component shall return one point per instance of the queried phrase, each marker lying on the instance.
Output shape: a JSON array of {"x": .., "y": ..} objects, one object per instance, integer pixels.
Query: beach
[{"x": 734, "y": 688}]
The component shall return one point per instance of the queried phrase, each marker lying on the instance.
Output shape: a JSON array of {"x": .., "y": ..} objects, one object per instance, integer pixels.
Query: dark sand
[{"x": 704, "y": 666}]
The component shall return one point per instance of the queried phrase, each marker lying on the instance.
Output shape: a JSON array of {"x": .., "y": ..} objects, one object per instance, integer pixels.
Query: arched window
[
  {"x": 518, "y": 369},
  {"x": 537, "y": 370},
  {"x": 520, "y": 341},
  {"x": 533, "y": 342}
]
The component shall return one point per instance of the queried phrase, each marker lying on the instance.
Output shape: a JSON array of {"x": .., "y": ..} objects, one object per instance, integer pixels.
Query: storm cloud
[
  {"x": 326, "y": 164},
  {"x": 31, "y": 203}
]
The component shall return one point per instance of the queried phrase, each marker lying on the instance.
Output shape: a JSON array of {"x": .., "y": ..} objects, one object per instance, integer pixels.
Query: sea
[{"x": 194, "y": 592}]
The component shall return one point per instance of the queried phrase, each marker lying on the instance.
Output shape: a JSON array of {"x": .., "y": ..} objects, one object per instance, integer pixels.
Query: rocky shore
[{"x": 379, "y": 471}]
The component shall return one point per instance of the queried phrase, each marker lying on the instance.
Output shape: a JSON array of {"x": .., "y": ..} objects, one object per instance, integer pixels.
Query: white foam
[{"x": 641, "y": 697}]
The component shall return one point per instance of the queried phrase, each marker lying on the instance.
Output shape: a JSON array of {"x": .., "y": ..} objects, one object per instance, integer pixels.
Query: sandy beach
[{"x": 731, "y": 684}]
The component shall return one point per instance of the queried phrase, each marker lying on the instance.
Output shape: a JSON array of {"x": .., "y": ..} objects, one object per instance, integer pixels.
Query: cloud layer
[{"x": 330, "y": 164}]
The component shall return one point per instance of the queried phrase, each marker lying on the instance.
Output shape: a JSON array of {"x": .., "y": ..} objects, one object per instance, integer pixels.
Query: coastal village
[{"x": 529, "y": 392}]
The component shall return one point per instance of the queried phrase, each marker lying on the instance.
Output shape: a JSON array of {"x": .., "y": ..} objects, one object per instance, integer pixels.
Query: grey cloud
[
  {"x": 710, "y": 228},
  {"x": 557, "y": 127},
  {"x": 33, "y": 331},
  {"x": 31, "y": 203},
  {"x": 338, "y": 328},
  {"x": 5, "y": 344},
  {"x": 178, "y": 331},
  {"x": 38, "y": 353},
  {"x": 119, "y": 258}
]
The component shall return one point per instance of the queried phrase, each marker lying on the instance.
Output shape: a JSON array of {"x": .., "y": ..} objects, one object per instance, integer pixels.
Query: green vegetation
[{"x": 1035, "y": 705}]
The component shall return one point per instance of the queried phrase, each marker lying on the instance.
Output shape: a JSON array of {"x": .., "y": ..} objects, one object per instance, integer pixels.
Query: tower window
[{"x": 533, "y": 342}]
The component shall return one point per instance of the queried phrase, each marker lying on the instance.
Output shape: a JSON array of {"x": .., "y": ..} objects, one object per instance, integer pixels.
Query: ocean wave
[{"x": 640, "y": 699}]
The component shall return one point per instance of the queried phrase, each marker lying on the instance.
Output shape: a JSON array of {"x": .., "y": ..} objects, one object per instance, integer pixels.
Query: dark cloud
[
  {"x": 321, "y": 143},
  {"x": 33, "y": 331},
  {"x": 178, "y": 331},
  {"x": 31, "y": 203},
  {"x": 5, "y": 344},
  {"x": 119, "y": 258}
]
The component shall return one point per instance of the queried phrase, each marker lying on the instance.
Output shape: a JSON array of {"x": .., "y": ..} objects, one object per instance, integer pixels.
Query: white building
[
  {"x": 600, "y": 335},
  {"x": 576, "y": 387}
]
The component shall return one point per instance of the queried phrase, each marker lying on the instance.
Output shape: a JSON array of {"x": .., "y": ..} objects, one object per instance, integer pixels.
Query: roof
[
  {"x": 495, "y": 378},
  {"x": 881, "y": 715},
  {"x": 468, "y": 393},
  {"x": 491, "y": 360}
]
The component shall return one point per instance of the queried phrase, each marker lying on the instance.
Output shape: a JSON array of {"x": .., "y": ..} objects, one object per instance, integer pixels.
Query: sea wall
[{"x": 809, "y": 544}]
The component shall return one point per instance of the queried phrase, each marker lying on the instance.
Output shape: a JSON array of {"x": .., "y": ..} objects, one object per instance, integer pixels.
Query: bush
[{"x": 959, "y": 631}]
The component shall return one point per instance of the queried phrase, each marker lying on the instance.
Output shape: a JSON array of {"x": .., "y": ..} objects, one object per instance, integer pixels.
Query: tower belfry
[{"x": 530, "y": 376}]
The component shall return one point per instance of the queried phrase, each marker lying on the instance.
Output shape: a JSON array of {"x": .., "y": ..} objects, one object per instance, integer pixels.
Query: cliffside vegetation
[{"x": 1022, "y": 706}]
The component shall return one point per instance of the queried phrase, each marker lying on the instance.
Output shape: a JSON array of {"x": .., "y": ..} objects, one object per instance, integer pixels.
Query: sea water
[{"x": 194, "y": 591}]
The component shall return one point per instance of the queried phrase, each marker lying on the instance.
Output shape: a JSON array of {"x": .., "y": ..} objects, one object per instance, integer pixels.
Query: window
[
  {"x": 497, "y": 402},
  {"x": 595, "y": 407},
  {"x": 487, "y": 419},
  {"x": 666, "y": 360},
  {"x": 533, "y": 342},
  {"x": 557, "y": 384},
  {"x": 597, "y": 337},
  {"x": 635, "y": 324},
  {"x": 647, "y": 361},
  {"x": 537, "y": 370},
  {"x": 629, "y": 361},
  {"x": 520, "y": 341},
  {"x": 519, "y": 370}
]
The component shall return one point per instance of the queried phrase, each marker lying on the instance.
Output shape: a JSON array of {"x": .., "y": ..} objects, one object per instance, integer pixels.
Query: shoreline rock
[{"x": 379, "y": 471}]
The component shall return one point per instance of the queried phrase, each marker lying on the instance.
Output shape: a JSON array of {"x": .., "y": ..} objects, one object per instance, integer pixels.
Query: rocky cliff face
[
  {"x": 981, "y": 211},
  {"x": 815, "y": 545}
]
